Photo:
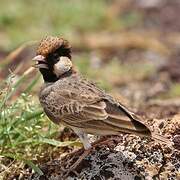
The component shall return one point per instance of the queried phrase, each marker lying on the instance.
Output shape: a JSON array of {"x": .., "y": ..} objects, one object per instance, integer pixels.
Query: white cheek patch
[{"x": 62, "y": 66}]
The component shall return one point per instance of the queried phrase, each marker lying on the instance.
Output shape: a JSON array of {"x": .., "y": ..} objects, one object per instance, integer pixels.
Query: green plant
[{"x": 25, "y": 133}]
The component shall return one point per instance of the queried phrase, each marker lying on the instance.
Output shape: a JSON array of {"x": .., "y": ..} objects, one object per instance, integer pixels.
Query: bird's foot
[{"x": 77, "y": 163}]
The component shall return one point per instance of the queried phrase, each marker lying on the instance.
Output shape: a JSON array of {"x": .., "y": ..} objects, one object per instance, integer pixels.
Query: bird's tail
[
  {"x": 142, "y": 129},
  {"x": 159, "y": 138}
]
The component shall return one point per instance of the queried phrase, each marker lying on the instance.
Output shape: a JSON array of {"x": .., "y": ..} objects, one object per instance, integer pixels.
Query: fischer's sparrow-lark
[{"x": 76, "y": 102}]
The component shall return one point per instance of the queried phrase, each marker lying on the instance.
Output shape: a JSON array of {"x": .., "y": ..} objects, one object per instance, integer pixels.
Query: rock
[{"x": 122, "y": 157}]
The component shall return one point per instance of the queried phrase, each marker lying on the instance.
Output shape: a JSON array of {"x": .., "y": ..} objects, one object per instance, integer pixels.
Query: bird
[{"x": 70, "y": 99}]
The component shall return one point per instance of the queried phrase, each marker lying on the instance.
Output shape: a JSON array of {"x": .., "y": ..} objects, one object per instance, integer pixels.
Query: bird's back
[{"x": 80, "y": 103}]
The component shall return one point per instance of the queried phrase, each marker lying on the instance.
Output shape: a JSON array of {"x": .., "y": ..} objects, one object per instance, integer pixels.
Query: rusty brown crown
[{"x": 50, "y": 44}]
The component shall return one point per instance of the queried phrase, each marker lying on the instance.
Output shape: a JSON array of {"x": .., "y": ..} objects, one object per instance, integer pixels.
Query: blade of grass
[
  {"x": 28, "y": 162},
  {"x": 33, "y": 115},
  {"x": 59, "y": 143},
  {"x": 16, "y": 52},
  {"x": 32, "y": 84},
  {"x": 34, "y": 167},
  {"x": 15, "y": 86}
]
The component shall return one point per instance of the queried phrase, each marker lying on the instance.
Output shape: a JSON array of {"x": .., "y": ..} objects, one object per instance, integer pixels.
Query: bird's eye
[{"x": 55, "y": 55}]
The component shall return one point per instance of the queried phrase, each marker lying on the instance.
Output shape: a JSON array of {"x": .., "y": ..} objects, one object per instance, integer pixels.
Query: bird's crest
[{"x": 50, "y": 44}]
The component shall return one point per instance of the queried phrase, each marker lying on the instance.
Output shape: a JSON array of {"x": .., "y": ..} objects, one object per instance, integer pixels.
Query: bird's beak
[{"x": 40, "y": 62}]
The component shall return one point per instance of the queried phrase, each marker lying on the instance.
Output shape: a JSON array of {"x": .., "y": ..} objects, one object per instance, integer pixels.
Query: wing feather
[
  {"x": 79, "y": 103},
  {"x": 89, "y": 108}
]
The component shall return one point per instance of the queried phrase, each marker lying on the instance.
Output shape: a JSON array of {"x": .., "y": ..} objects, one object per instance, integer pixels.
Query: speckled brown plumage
[{"x": 74, "y": 101}]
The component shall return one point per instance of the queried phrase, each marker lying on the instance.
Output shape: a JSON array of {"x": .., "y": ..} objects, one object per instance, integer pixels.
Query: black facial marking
[
  {"x": 63, "y": 51},
  {"x": 48, "y": 75},
  {"x": 53, "y": 58}
]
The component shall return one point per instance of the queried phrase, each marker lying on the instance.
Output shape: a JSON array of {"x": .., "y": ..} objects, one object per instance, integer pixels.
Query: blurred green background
[{"x": 22, "y": 21}]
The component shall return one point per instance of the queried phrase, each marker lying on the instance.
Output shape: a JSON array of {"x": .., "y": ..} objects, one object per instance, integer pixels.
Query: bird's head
[{"x": 53, "y": 58}]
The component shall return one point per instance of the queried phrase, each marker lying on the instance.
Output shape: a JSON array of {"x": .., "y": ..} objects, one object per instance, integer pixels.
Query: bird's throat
[{"x": 49, "y": 76}]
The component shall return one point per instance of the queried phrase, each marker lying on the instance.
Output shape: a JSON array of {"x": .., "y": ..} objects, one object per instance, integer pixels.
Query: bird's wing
[{"x": 83, "y": 105}]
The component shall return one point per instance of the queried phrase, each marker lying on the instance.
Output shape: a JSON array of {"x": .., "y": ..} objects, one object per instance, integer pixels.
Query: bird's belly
[
  {"x": 100, "y": 132},
  {"x": 96, "y": 131}
]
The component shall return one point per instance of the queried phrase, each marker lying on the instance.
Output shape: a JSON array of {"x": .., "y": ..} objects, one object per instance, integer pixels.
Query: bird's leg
[
  {"x": 82, "y": 154},
  {"x": 87, "y": 146},
  {"x": 83, "y": 137}
]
